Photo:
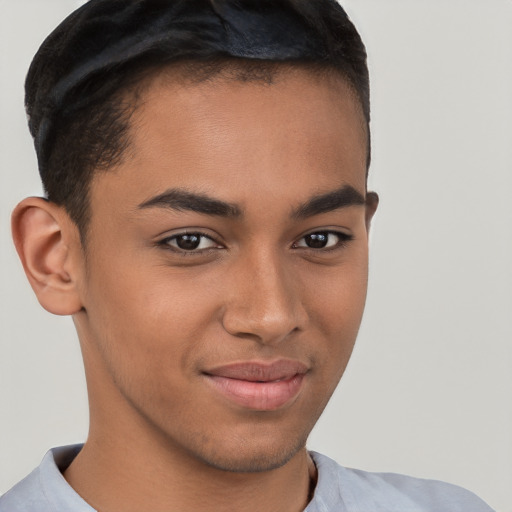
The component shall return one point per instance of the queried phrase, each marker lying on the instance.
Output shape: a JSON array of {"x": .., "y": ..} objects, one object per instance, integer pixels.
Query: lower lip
[{"x": 259, "y": 396}]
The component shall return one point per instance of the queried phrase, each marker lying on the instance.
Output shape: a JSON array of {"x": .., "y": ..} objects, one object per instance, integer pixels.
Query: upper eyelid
[
  {"x": 188, "y": 231},
  {"x": 331, "y": 231},
  {"x": 335, "y": 231}
]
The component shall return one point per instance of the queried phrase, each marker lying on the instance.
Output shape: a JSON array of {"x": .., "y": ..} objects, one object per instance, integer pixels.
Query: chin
[{"x": 245, "y": 457}]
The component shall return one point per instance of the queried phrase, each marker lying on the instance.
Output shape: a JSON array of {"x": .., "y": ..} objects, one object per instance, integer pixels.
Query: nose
[{"x": 264, "y": 300}]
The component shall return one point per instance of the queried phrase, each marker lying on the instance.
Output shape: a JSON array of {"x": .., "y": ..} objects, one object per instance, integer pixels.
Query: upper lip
[{"x": 259, "y": 371}]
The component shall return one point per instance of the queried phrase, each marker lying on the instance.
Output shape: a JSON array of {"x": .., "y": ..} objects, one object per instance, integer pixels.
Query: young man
[{"x": 206, "y": 225}]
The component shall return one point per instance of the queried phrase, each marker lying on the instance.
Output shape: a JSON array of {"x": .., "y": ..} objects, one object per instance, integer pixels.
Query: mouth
[{"x": 257, "y": 385}]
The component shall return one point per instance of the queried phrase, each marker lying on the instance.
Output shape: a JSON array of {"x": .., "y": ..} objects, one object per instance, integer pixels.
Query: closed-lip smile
[{"x": 259, "y": 385}]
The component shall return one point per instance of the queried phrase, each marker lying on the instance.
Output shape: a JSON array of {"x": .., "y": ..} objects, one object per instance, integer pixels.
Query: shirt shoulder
[
  {"x": 363, "y": 491},
  {"x": 26, "y": 496},
  {"x": 45, "y": 489}
]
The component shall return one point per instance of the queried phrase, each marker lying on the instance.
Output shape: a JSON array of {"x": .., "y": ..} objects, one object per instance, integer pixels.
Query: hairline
[{"x": 194, "y": 72}]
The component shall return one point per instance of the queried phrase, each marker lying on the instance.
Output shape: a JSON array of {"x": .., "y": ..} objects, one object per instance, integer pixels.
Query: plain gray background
[{"x": 429, "y": 389}]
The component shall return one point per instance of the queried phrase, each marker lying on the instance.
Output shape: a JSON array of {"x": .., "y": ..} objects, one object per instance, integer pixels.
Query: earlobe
[{"x": 46, "y": 243}]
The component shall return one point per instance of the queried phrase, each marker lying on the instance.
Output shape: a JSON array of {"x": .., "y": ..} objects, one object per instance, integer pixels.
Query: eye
[
  {"x": 190, "y": 242},
  {"x": 323, "y": 240}
]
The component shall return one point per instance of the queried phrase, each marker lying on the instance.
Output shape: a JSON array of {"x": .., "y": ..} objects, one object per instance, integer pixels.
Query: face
[{"x": 226, "y": 267}]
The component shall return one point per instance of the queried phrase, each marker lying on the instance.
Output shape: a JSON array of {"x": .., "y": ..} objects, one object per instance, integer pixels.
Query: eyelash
[
  {"x": 165, "y": 243},
  {"x": 343, "y": 240}
]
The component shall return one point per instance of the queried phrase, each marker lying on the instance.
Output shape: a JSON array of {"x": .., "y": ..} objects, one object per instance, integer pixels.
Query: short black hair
[{"x": 78, "y": 114}]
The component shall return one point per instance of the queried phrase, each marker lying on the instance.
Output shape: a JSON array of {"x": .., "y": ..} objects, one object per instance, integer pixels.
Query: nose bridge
[{"x": 264, "y": 301}]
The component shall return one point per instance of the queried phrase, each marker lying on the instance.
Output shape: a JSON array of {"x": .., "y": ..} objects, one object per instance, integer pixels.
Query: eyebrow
[
  {"x": 329, "y": 201},
  {"x": 183, "y": 200}
]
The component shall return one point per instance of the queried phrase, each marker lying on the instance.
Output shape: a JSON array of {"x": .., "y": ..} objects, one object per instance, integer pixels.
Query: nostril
[
  {"x": 265, "y": 303},
  {"x": 263, "y": 328}
]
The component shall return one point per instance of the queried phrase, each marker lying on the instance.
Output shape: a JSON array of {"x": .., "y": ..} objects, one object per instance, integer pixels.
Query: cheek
[
  {"x": 149, "y": 313},
  {"x": 335, "y": 312},
  {"x": 336, "y": 295}
]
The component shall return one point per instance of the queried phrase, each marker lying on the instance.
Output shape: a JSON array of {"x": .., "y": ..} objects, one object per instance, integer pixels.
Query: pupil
[
  {"x": 317, "y": 240},
  {"x": 188, "y": 242}
]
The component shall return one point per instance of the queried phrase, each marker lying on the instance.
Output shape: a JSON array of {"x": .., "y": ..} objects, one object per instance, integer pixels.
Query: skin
[{"x": 152, "y": 318}]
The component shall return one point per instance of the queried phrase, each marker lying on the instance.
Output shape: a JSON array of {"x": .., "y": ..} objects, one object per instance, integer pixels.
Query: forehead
[{"x": 295, "y": 131}]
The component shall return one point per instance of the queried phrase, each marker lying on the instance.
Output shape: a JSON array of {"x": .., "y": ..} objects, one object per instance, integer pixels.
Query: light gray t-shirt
[{"x": 338, "y": 489}]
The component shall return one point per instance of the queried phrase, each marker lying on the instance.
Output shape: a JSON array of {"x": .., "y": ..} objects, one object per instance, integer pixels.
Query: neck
[
  {"x": 149, "y": 472},
  {"x": 167, "y": 480}
]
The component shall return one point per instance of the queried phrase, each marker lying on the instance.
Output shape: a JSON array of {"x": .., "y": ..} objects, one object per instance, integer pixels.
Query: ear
[
  {"x": 372, "y": 202},
  {"x": 49, "y": 247}
]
